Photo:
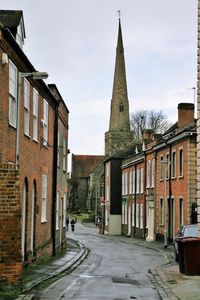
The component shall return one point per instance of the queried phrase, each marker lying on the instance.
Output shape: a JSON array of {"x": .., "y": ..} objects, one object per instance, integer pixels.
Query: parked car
[{"x": 185, "y": 232}]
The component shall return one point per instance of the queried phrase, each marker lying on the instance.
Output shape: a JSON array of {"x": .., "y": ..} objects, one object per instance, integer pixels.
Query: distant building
[{"x": 82, "y": 167}]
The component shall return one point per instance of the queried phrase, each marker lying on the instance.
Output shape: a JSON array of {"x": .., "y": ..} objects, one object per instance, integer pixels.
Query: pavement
[{"x": 167, "y": 279}]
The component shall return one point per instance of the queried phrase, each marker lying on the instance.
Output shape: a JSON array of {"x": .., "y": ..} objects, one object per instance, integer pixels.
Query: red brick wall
[{"x": 10, "y": 227}]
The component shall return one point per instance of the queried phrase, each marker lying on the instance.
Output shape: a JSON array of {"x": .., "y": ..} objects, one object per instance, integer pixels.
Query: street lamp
[{"x": 36, "y": 76}]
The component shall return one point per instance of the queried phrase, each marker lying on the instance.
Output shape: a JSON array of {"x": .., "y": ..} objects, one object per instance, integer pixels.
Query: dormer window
[{"x": 20, "y": 35}]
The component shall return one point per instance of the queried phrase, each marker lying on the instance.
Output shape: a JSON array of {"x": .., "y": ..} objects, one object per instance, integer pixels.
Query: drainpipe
[
  {"x": 134, "y": 233},
  {"x": 55, "y": 157}
]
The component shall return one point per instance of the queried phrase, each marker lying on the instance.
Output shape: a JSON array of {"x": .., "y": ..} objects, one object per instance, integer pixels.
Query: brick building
[{"x": 30, "y": 117}]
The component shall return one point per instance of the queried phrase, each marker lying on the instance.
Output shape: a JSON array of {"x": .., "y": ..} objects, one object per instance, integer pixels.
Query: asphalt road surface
[{"x": 114, "y": 269}]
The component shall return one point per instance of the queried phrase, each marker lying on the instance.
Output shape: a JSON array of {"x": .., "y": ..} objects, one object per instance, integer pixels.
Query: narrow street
[{"x": 114, "y": 269}]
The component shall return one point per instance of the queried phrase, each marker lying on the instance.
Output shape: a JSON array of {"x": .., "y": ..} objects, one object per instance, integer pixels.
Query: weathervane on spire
[{"x": 119, "y": 13}]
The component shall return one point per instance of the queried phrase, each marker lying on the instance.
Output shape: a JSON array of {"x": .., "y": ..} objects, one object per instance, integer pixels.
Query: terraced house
[{"x": 29, "y": 114}]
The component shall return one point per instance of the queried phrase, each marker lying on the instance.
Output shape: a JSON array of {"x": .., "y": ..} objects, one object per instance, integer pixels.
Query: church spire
[
  {"x": 119, "y": 117},
  {"x": 119, "y": 134}
]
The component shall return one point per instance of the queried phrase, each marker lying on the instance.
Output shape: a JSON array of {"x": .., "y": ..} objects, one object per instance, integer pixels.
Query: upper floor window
[
  {"x": 35, "y": 115},
  {"x": 138, "y": 181},
  {"x": 173, "y": 164},
  {"x": 12, "y": 94},
  {"x": 58, "y": 151},
  {"x": 64, "y": 155},
  {"x": 26, "y": 106},
  {"x": 152, "y": 172},
  {"x": 141, "y": 180},
  {"x": 133, "y": 177},
  {"x": 45, "y": 122},
  {"x": 130, "y": 182},
  {"x": 148, "y": 173},
  {"x": 126, "y": 183},
  {"x": 123, "y": 183},
  {"x": 181, "y": 161},
  {"x": 167, "y": 166},
  {"x": 161, "y": 168}
]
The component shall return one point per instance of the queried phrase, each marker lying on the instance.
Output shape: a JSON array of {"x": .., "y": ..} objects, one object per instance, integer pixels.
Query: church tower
[{"x": 119, "y": 134}]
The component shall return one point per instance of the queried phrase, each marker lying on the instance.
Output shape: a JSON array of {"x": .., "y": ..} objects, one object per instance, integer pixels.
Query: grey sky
[{"x": 75, "y": 42}]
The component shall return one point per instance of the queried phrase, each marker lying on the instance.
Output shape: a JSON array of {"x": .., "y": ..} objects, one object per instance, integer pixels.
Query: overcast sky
[{"x": 75, "y": 42}]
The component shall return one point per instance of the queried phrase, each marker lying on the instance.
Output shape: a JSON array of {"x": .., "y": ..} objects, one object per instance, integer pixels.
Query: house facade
[{"x": 30, "y": 115}]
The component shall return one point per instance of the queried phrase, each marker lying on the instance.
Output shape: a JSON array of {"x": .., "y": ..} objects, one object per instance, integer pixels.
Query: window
[
  {"x": 64, "y": 209},
  {"x": 130, "y": 182},
  {"x": 161, "y": 211},
  {"x": 45, "y": 122},
  {"x": 141, "y": 180},
  {"x": 152, "y": 172},
  {"x": 44, "y": 198},
  {"x": 181, "y": 212},
  {"x": 133, "y": 214},
  {"x": 167, "y": 166},
  {"x": 35, "y": 115},
  {"x": 64, "y": 154},
  {"x": 147, "y": 215},
  {"x": 125, "y": 213},
  {"x": 126, "y": 183},
  {"x": 181, "y": 162},
  {"x": 161, "y": 168},
  {"x": 133, "y": 182},
  {"x": 26, "y": 106},
  {"x": 58, "y": 151},
  {"x": 108, "y": 169},
  {"x": 57, "y": 210},
  {"x": 12, "y": 94},
  {"x": 138, "y": 181},
  {"x": 141, "y": 215},
  {"x": 137, "y": 215},
  {"x": 148, "y": 173},
  {"x": 123, "y": 183},
  {"x": 173, "y": 164}
]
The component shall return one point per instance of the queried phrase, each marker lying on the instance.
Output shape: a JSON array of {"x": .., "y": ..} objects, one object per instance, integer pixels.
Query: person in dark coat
[
  {"x": 73, "y": 224},
  {"x": 67, "y": 223}
]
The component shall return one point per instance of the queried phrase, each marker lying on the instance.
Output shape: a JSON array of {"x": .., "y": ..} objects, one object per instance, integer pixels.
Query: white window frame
[
  {"x": 12, "y": 94},
  {"x": 58, "y": 151},
  {"x": 133, "y": 214},
  {"x": 123, "y": 184},
  {"x": 137, "y": 215},
  {"x": 162, "y": 209},
  {"x": 133, "y": 181},
  {"x": 64, "y": 154},
  {"x": 45, "y": 122},
  {"x": 142, "y": 180},
  {"x": 57, "y": 209},
  {"x": 26, "y": 107},
  {"x": 138, "y": 182},
  {"x": 44, "y": 199},
  {"x": 141, "y": 216},
  {"x": 148, "y": 173},
  {"x": 173, "y": 164},
  {"x": 35, "y": 115},
  {"x": 181, "y": 212},
  {"x": 161, "y": 167},
  {"x": 181, "y": 162},
  {"x": 130, "y": 182},
  {"x": 153, "y": 172},
  {"x": 126, "y": 183},
  {"x": 64, "y": 209}
]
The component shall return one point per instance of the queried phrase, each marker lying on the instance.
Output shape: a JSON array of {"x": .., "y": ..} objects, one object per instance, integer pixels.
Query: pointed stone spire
[
  {"x": 119, "y": 134},
  {"x": 119, "y": 117}
]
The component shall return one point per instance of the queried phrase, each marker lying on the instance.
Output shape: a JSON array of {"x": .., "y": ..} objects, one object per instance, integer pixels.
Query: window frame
[
  {"x": 44, "y": 199},
  {"x": 12, "y": 119},
  {"x": 26, "y": 107}
]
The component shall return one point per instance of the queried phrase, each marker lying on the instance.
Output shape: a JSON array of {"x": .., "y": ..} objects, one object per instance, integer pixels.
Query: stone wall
[{"x": 10, "y": 227}]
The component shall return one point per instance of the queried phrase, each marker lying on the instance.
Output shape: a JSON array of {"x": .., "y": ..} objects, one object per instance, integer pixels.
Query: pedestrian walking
[
  {"x": 67, "y": 223},
  {"x": 73, "y": 224}
]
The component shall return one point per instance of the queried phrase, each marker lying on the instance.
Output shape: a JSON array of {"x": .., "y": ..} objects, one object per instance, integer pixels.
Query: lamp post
[{"x": 36, "y": 76}]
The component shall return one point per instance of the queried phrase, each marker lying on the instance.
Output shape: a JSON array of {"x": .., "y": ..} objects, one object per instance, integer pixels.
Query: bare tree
[{"x": 149, "y": 119}]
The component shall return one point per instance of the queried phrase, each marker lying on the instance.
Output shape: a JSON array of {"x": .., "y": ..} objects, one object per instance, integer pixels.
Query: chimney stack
[{"x": 185, "y": 114}]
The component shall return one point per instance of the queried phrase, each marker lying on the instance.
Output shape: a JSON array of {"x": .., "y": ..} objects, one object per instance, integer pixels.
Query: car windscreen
[{"x": 191, "y": 231}]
